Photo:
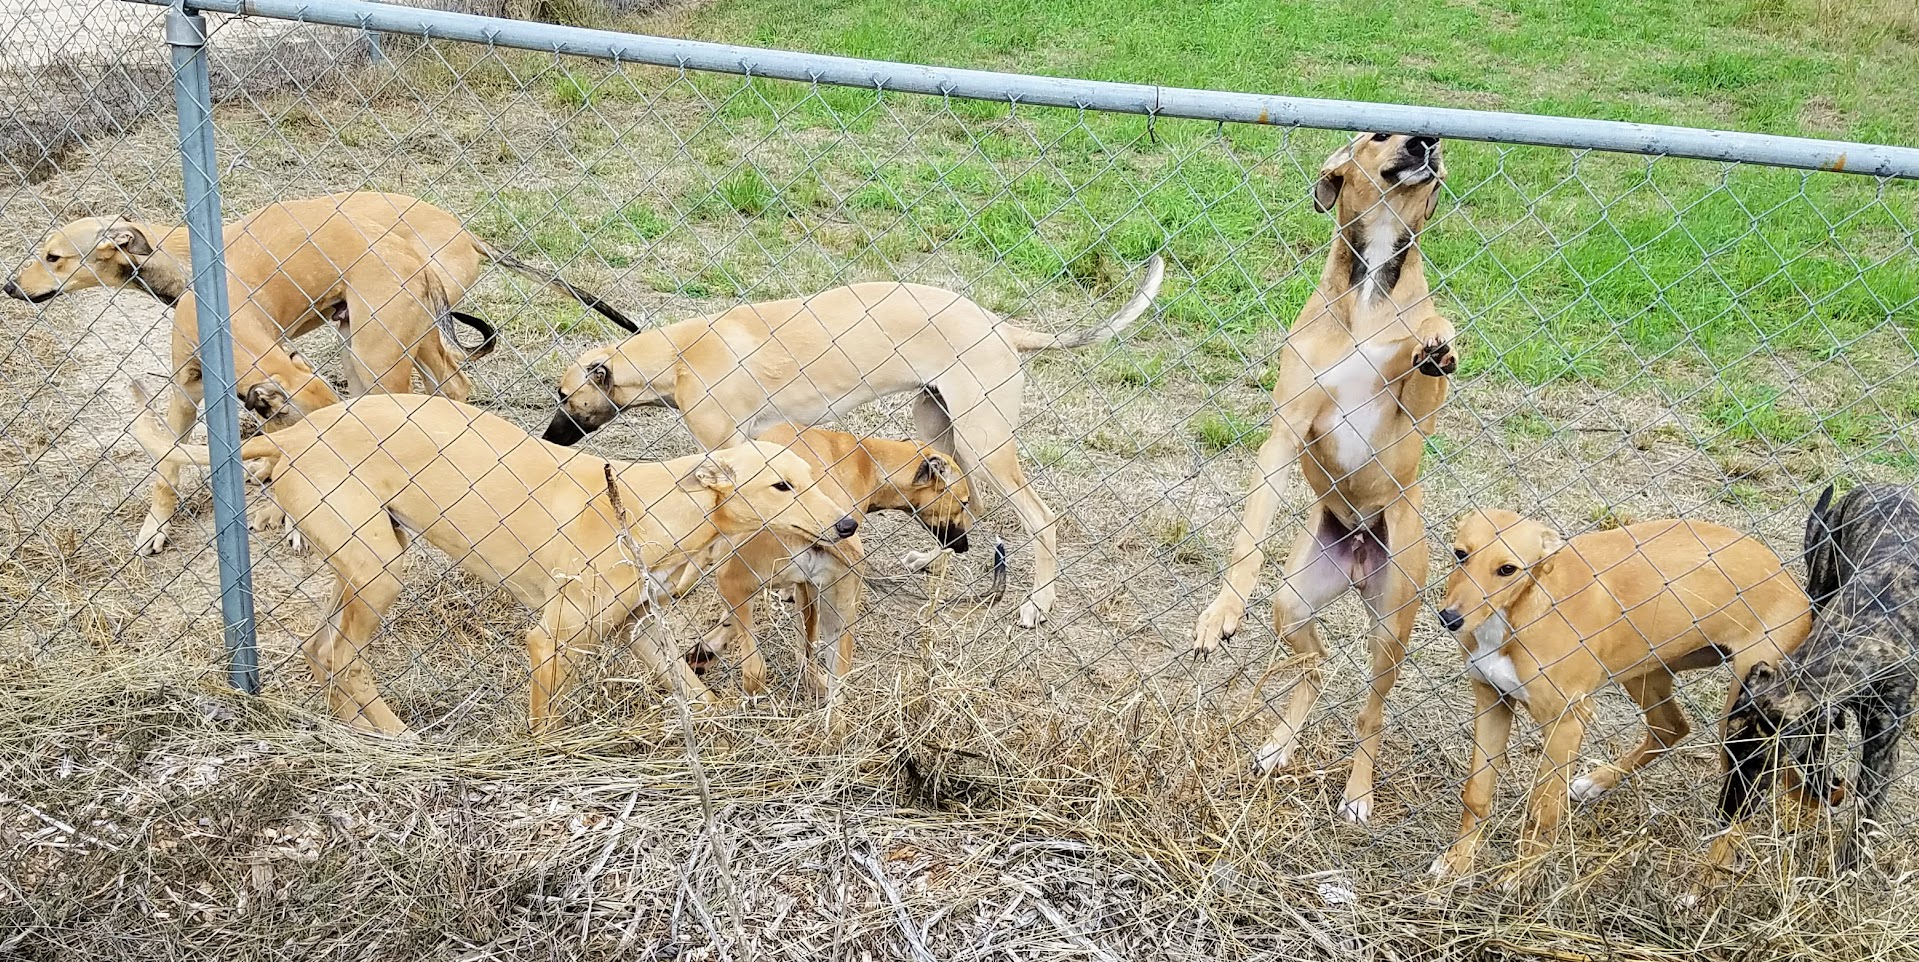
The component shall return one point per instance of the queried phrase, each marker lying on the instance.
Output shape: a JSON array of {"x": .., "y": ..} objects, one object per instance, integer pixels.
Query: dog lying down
[{"x": 549, "y": 524}]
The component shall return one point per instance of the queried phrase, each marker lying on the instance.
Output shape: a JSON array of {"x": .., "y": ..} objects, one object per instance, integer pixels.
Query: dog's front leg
[
  {"x": 182, "y": 411},
  {"x": 1221, "y": 619},
  {"x": 1492, "y": 729},
  {"x": 1551, "y": 789}
]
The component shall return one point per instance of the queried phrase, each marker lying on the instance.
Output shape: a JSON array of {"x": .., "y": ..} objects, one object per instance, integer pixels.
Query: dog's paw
[
  {"x": 1454, "y": 864},
  {"x": 1031, "y": 615},
  {"x": 918, "y": 560},
  {"x": 1435, "y": 358},
  {"x": 1358, "y": 811},
  {"x": 1218, "y": 623},
  {"x": 152, "y": 537},
  {"x": 1270, "y": 758},
  {"x": 1586, "y": 788}
]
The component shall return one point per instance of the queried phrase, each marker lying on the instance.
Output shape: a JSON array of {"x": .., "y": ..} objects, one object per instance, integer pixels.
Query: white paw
[
  {"x": 1689, "y": 902},
  {"x": 152, "y": 538},
  {"x": 918, "y": 560},
  {"x": 1585, "y": 788},
  {"x": 1271, "y": 758},
  {"x": 1030, "y": 615},
  {"x": 1356, "y": 810},
  {"x": 1441, "y": 868}
]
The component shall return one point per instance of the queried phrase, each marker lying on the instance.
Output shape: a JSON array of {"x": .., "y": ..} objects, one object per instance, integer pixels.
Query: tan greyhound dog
[
  {"x": 385, "y": 268},
  {"x": 860, "y": 475},
  {"x": 1546, "y": 622},
  {"x": 548, "y": 524},
  {"x": 804, "y": 359},
  {"x": 1362, "y": 373}
]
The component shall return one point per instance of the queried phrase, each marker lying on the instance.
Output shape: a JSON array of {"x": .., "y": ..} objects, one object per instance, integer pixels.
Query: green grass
[{"x": 1222, "y": 430}]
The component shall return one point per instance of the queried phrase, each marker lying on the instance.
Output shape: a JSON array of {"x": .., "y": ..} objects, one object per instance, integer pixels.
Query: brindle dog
[{"x": 1861, "y": 661}]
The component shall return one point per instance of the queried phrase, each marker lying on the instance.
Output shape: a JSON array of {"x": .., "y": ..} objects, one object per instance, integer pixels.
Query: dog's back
[{"x": 1862, "y": 563}]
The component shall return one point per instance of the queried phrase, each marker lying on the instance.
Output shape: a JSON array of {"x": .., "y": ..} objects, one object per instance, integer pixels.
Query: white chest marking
[
  {"x": 1381, "y": 244},
  {"x": 1361, "y": 404},
  {"x": 1489, "y": 663}
]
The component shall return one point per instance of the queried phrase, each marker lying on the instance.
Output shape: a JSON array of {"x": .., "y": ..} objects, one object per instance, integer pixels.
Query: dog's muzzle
[
  {"x": 563, "y": 430},
  {"x": 13, "y": 290},
  {"x": 1418, "y": 162},
  {"x": 1451, "y": 620}
]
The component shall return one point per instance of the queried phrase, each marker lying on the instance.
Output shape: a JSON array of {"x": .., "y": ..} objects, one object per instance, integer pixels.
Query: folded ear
[
  {"x": 710, "y": 473},
  {"x": 128, "y": 237},
  {"x": 600, "y": 376},
  {"x": 933, "y": 466},
  {"x": 1432, "y": 199},
  {"x": 1326, "y": 190},
  {"x": 271, "y": 403},
  {"x": 1550, "y": 542}
]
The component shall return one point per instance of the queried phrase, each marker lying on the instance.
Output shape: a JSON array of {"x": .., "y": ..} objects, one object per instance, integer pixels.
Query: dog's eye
[
  {"x": 53, "y": 258},
  {"x": 782, "y": 486},
  {"x": 1459, "y": 553},
  {"x": 1380, "y": 137},
  {"x": 1507, "y": 571}
]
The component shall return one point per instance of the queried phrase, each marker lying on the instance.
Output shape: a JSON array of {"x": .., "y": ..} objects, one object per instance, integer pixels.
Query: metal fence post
[{"x": 186, "y": 33}]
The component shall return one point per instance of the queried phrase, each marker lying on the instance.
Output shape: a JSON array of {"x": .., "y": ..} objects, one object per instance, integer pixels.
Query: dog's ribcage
[{"x": 1363, "y": 404}]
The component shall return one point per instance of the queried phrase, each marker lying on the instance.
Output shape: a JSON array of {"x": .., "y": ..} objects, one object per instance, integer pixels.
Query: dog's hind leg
[
  {"x": 1879, "y": 732},
  {"x": 363, "y": 563},
  {"x": 1666, "y": 727},
  {"x": 1314, "y": 577},
  {"x": 1391, "y": 593},
  {"x": 182, "y": 410}
]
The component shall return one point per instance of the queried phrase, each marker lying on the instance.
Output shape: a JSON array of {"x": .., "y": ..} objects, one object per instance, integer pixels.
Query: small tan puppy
[
  {"x": 384, "y": 268},
  {"x": 1547, "y": 622},
  {"x": 550, "y": 525},
  {"x": 805, "y": 359},
  {"x": 1360, "y": 378},
  {"x": 860, "y": 475}
]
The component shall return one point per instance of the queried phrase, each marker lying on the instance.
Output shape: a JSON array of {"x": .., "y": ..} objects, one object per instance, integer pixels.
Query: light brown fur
[
  {"x": 358, "y": 479},
  {"x": 1361, "y": 376},
  {"x": 1634, "y": 605},
  {"x": 802, "y": 360},
  {"x": 389, "y": 264},
  {"x": 860, "y": 475}
]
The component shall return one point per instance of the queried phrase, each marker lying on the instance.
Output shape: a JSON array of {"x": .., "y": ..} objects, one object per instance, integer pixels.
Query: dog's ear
[
  {"x": 1432, "y": 199},
  {"x": 127, "y": 237},
  {"x": 600, "y": 376},
  {"x": 271, "y": 403},
  {"x": 712, "y": 474},
  {"x": 1761, "y": 676},
  {"x": 1550, "y": 542},
  {"x": 1326, "y": 189},
  {"x": 933, "y": 466}
]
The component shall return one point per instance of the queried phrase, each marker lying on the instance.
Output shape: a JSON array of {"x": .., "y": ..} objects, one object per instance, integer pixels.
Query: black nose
[
  {"x": 563, "y": 430},
  {"x": 1451, "y": 619},
  {"x": 13, "y": 290},
  {"x": 1422, "y": 144},
  {"x": 845, "y": 527}
]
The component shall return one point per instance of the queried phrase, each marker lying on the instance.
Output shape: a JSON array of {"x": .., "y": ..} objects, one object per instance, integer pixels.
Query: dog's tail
[
  {"x": 554, "y": 281},
  {"x": 445, "y": 317},
  {"x": 167, "y": 450},
  {"x": 1119, "y": 323},
  {"x": 1824, "y": 566}
]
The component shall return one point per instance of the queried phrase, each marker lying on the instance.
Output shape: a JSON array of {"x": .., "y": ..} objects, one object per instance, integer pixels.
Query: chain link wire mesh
[{"x": 1637, "y": 338}]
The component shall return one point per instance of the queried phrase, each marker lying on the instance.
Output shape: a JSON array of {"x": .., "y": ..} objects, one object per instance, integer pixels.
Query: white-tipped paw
[
  {"x": 1271, "y": 758},
  {"x": 918, "y": 560},
  {"x": 152, "y": 537},
  {"x": 1357, "y": 810},
  {"x": 1031, "y": 614},
  {"x": 1585, "y": 788}
]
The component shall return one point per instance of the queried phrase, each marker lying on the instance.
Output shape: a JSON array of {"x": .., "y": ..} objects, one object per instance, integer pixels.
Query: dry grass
[{"x": 982, "y": 791}]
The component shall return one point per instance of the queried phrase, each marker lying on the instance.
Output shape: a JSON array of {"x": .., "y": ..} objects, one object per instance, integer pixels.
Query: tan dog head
[
  {"x": 928, "y": 486},
  {"x": 276, "y": 407},
  {"x": 90, "y": 252},
  {"x": 762, "y": 486},
  {"x": 1389, "y": 179},
  {"x": 1499, "y": 555},
  {"x": 607, "y": 380}
]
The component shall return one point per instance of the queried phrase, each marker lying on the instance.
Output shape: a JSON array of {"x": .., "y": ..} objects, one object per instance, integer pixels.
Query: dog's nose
[
  {"x": 1451, "y": 620},
  {"x": 13, "y": 290},
  {"x": 954, "y": 539},
  {"x": 846, "y": 527},
  {"x": 1423, "y": 144},
  {"x": 563, "y": 430}
]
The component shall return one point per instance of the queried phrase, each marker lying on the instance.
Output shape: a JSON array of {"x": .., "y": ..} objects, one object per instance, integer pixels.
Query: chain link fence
[{"x": 1638, "y": 337}]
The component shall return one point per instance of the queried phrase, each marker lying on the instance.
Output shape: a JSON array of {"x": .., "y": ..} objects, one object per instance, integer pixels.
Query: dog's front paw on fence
[
  {"x": 1217, "y": 624},
  {"x": 1435, "y": 358},
  {"x": 151, "y": 539}
]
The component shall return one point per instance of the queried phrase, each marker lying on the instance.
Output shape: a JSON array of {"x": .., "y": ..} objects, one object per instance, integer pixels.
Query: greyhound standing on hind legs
[{"x": 1363, "y": 371}]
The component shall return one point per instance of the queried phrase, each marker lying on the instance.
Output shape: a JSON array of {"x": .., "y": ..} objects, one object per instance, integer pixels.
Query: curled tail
[
  {"x": 554, "y": 281},
  {"x": 1119, "y": 323},
  {"x": 445, "y": 317},
  {"x": 165, "y": 449}
]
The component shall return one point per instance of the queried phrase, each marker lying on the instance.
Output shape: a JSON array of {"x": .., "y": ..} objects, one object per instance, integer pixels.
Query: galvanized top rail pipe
[{"x": 1486, "y": 125}]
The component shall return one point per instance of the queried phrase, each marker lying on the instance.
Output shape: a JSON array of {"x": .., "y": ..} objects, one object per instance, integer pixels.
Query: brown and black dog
[
  {"x": 385, "y": 268},
  {"x": 860, "y": 475}
]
